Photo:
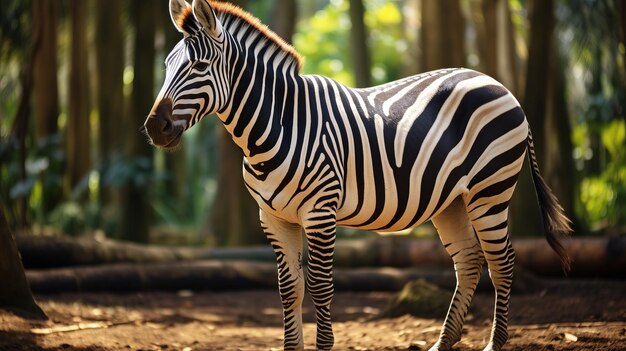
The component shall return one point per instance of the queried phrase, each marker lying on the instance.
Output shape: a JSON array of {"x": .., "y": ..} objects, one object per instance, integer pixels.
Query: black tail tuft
[{"x": 555, "y": 222}]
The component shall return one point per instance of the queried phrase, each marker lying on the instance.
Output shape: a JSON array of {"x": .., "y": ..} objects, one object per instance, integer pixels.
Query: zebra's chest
[{"x": 284, "y": 192}]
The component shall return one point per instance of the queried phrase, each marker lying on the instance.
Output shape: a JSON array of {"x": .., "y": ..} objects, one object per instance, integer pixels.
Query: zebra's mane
[{"x": 224, "y": 10}]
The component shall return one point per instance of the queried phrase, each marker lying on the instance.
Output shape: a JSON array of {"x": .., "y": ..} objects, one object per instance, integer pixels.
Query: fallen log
[
  {"x": 592, "y": 257},
  {"x": 235, "y": 275},
  {"x": 62, "y": 251},
  {"x": 214, "y": 275}
]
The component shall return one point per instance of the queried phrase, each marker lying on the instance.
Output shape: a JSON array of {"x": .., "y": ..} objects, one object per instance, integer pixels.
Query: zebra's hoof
[
  {"x": 492, "y": 347},
  {"x": 439, "y": 346}
]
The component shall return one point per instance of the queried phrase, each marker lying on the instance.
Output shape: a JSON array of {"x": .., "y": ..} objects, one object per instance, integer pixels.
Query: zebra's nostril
[{"x": 167, "y": 127}]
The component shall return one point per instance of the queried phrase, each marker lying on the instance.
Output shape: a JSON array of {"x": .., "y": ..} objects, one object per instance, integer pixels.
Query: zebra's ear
[
  {"x": 179, "y": 9},
  {"x": 207, "y": 18}
]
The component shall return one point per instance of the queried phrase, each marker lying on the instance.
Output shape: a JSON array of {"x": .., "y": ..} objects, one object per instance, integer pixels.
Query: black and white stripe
[{"x": 446, "y": 146}]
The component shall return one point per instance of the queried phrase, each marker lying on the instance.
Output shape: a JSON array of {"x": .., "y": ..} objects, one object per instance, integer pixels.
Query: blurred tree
[
  {"x": 558, "y": 168},
  {"x": 110, "y": 49},
  {"x": 595, "y": 48},
  {"x": 17, "y": 139},
  {"x": 235, "y": 215},
  {"x": 524, "y": 220},
  {"x": 78, "y": 128},
  {"x": 622, "y": 31},
  {"x": 16, "y": 52},
  {"x": 176, "y": 185},
  {"x": 234, "y": 219},
  {"x": 136, "y": 210},
  {"x": 110, "y": 67},
  {"x": 15, "y": 293},
  {"x": 443, "y": 34},
  {"x": 284, "y": 16},
  {"x": 359, "y": 48},
  {"x": 496, "y": 41},
  {"x": 45, "y": 87}
]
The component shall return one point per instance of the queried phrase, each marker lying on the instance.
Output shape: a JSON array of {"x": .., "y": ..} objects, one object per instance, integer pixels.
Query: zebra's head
[{"x": 195, "y": 83}]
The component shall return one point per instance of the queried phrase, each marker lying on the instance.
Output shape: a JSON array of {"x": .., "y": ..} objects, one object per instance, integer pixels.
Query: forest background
[{"x": 78, "y": 77}]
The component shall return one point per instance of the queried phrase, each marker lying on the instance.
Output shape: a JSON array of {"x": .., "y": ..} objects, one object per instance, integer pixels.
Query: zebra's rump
[{"x": 419, "y": 143}]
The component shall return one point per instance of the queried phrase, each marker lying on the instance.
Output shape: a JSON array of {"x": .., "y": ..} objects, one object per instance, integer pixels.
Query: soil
[{"x": 570, "y": 315}]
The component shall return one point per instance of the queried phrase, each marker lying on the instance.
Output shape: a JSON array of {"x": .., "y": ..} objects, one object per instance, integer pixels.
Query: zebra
[{"x": 445, "y": 146}]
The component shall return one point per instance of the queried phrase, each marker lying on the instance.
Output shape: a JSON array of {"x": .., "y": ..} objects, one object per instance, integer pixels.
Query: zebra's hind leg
[
  {"x": 490, "y": 223},
  {"x": 458, "y": 237},
  {"x": 286, "y": 239},
  {"x": 320, "y": 229}
]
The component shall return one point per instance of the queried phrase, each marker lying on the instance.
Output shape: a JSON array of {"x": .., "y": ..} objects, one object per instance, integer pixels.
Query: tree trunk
[
  {"x": 136, "y": 211},
  {"x": 507, "y": 58},
  {"x": 359, "y": 48},
  {"x": 45, "y": 85},
  {"x": 559, "y": 169},
  {"x": 623, "y": 34},
  {"x": 110, "y": 68},
  {"x": 484, "y": 14},
  {"x": 176, "y": 186},
  {"x": 496, "y": 41},
  {"x": 284, "y": 19},
  {"x": 78, "y": 130},
  {"x": 15, "y": 294},
  {"x": 234, "y": 220},
  {"x": 443, "y": 34},
  {"x": 18, "y": 134},
  {"x": 235, "y": 217},
  {"x": 540, "y": 51},
  {"x": 623, "y": 52},
  {"x": 524, "y": 210}
]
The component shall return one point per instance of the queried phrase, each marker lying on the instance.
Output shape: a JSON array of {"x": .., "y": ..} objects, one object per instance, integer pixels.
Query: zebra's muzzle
[{"x": 160, "y": 126}]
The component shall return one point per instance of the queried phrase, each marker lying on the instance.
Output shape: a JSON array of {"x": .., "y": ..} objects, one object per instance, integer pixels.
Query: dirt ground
[{"x": 573, "y": 315}]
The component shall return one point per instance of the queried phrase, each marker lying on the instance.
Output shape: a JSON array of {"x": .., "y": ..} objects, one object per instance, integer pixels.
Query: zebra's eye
[{"x": 200, "y": 66}]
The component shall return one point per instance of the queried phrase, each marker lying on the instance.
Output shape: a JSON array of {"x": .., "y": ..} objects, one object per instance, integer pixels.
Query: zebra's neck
[{"x": 264, "y": 94}]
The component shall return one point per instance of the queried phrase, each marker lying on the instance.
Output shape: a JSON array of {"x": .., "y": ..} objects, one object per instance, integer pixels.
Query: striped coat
[{"x": 445, "y": 146}]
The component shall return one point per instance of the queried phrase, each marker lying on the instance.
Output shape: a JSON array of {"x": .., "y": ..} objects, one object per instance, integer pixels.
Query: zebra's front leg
[
  {"x": 286, "y": 239},
  {"x": 320, "y": 233}
]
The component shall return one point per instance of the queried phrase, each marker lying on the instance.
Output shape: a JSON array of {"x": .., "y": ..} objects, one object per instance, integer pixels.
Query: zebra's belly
[{"x": 399, "y": 204}]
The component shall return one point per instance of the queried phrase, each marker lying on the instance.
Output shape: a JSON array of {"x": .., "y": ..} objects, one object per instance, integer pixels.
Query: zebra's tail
[{"x": 555, "y": 222}]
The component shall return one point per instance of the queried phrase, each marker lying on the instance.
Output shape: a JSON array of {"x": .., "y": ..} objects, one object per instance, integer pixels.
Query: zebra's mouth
[
  {"x": 163, "y": 129},
  {"x": 174, "y": 142}
]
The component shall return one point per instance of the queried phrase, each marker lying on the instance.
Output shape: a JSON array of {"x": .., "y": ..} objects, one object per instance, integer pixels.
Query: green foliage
[
  {"x": 324, "y": 38},
  {"x": 44, "y": 173},
  {"x": 192, "y": 206},
  {"x": 604, "y": 196},
  {"x": 590, "y": 38},
  {"x": 74, "y": 218},
  {"x": 14, "y": 27},
  {"x": 122, "y": 171},
  {"x": 587, "y": 33}
]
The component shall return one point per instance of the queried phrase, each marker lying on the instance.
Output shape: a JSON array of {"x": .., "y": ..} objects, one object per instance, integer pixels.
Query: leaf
[
  {"x": 22, "y": 188},
  {"x": 570, "y": 337}
]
